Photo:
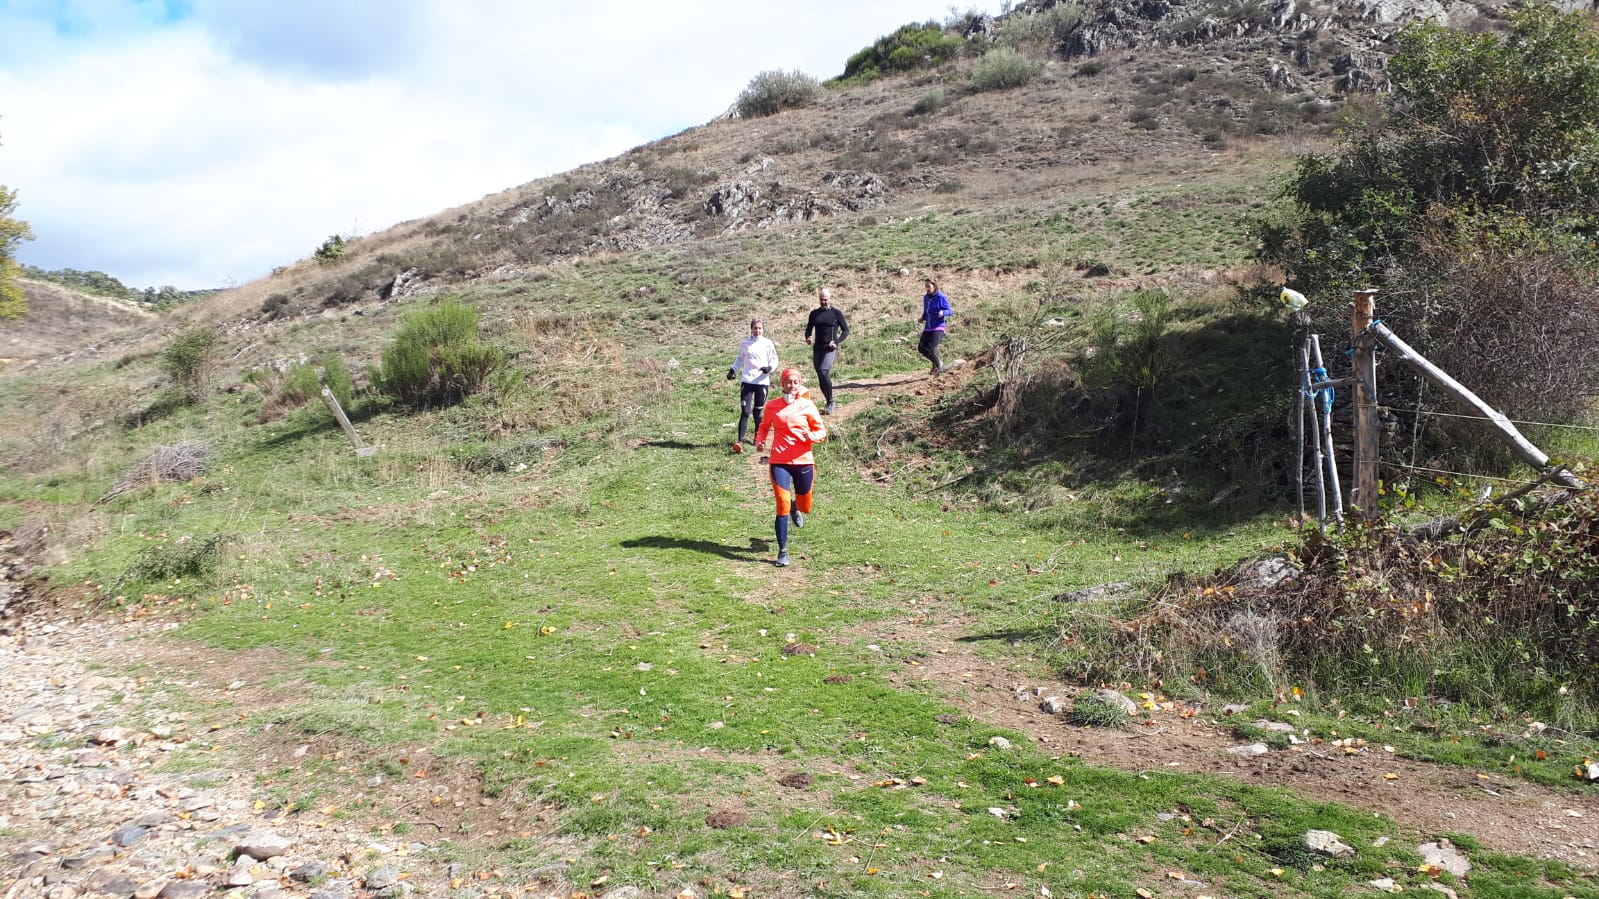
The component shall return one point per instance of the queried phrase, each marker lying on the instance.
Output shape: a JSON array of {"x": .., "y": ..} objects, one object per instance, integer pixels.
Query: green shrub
[
  {"x": 331, "y": 251},
  {"x": 437, "y": 358},
  {"x": 772, "y": 92},
  {"x": 932, "y": 101},
  {"x": 1052, "y": 25},
  {"x": 303, "y": 382},
  {"x": 911, "y": 47},
  {"x": 179, "y": 559},
  {"x": 1002, "y": 68},
  {"x": 188, "y": 361}
]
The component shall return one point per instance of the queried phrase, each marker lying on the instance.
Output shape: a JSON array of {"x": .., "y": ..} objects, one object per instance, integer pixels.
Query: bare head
[{"x": 824, "y": 297}]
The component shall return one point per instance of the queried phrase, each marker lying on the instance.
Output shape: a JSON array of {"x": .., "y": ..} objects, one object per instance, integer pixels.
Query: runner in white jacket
[{"x": 753, "y": 366}]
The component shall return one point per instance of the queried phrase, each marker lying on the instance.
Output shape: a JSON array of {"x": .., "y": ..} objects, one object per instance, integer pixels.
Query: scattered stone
[
  {"x": 1443, "y": 854},
  {"x": 1386, "y": 884},
  {"x": 1055, "y": 705},
  {"x": 1268, "y": 573},
  {"x": 1276, "y": 727},
  {"x": 1000, "y": 743},
  {"x": 1440, "y": 888},
  {"x": 112, "y": 736},
  {"x": 88, "y": 857},
  {"x": 262, "y": 845},
  {"x": 120, "y": 886},
  {"x": 127, "y": 836},
  {"x": 1325, "y": 842},
  {"x": 184, "y": 889},
  {"x": 1234, "y": 708},
  {"x": 309, "y": 871},
  {"x": 382, "y": 878},
  {"x": 1116, "y": 699},
  {"x": 1098, "y": 591},
  {"x": 239, "y": 875},
  {"x": 1249, "y": 750},
  {"x": 1592, "y": 771}
]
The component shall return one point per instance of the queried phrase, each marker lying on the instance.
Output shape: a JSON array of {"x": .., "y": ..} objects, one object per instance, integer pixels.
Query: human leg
[
  {"x": 804, "y": 478},
  {"x": 928, "y": 347},
  {"x": 823, "y": 359},
  {"x": 751, "y": 400},
  {"x": 783, "y": 492}
]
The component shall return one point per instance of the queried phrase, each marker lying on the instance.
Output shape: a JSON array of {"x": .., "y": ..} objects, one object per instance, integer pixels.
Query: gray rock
[
  {"x": 1116, "y": 699},
  {"x": 623, "y": 892},
  {"x": 1249, "y": 750},
  {"x": 184, "y": 889},
  {"x": 1325, "y": 842},
  {"x": 394, "y": 891},
  {"x": 239, "y": 875},
  {"x": 1268, "y": 573},
  {"x": 1444, "y": 855},
  {"x": 382, "y": 878},
  {"x": 152, "y": 819},
  {"x": 308, "y": 872},
  {"x": 262, "y": 845},
  {"x": 127, "y": 836},
  {"x": 1055, "y": 705},
  {"x": 88, "y": 857},
  {"x": 120, "y": 886},
  {"x": 1097, "y": 591},
  {"x": 1277, "y": 727},
  {"x": 1000, "y": 743}
]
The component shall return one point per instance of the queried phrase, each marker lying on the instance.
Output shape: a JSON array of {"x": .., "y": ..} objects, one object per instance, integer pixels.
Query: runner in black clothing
[{"x": 824, "y": 331}]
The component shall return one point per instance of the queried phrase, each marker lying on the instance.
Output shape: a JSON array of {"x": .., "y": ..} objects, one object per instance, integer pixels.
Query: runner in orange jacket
[{"x": 795, "y": 425}]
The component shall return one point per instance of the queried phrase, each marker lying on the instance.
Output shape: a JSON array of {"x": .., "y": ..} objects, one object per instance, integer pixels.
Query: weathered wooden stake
[
  {"x": 361, "y": 449},
  {"x": 1519, "y": 444},
  {"x": 1364, "y": 494}
]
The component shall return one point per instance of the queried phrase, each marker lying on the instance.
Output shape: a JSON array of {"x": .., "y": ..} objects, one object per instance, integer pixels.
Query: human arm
[
  {"x": 810, "y": 327},
  {"x": 843, "y": 329},
  {"x": 813, "y": 421}
]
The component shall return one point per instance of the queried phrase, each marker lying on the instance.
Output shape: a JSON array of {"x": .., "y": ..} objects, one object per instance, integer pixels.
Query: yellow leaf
[
  {"x": 546, "y": 630},
  {"x": 510, "y": 624},
  {"x": 1144, "y": 894},
  {"x": 1277, "y": 872},
  {"x": 1057, "y": 780},
  {"x": 1390, "y": 776},
  {"x": 736, "y": 893}
]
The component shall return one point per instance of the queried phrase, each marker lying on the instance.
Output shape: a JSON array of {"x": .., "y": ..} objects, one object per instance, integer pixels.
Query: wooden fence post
[
  {"x": 1364, "y": 495},
  {"x": 361, "y": 449}
]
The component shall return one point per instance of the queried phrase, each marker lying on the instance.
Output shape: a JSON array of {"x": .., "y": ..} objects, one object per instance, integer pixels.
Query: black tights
[
  {"x": 751, "y": 400},
  {"x": 823, "y": 360}
]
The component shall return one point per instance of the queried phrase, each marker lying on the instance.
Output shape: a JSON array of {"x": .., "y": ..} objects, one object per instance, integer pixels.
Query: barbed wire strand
[{"x": 1546, "y": 424}]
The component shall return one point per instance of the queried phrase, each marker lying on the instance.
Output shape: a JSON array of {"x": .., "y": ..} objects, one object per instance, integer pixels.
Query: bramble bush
[
  {"x": 774, "y": 91},
  {"x": 437, "y": 358}
]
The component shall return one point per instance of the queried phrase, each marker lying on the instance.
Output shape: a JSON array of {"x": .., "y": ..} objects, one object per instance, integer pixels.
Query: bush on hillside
[
  {"x": 911, "y": 47},
  {"x": 1050, "y": 26},
  {"x": 772, "y": 92},
  {"x": 1002, "y": 68},
  {"x": 331, "y": 251},
  {"x": 188, "y": 361},
  {"x": 437, "y": 358}
]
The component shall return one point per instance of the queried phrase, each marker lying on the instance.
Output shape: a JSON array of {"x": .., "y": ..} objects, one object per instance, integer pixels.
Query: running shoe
[
  {"x": 738, "y": 447},
  {"x": 827, "y": 409},
  {"x": 797, "y": 517},
  {"x": 782, "y": 559}
]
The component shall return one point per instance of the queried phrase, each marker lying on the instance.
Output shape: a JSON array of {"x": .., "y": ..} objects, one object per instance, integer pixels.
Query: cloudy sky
[{"x": 199, "y": 143}]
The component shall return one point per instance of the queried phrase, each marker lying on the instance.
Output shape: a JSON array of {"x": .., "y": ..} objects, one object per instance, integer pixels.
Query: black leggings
[
  {"x": 823, "y": 359},
  {"x": 751, "y": 400},
  {"x": 928, "y": 347}
]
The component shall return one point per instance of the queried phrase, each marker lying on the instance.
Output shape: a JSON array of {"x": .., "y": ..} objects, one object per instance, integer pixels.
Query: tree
[
  {"x": 1484, "y": 136},
  {"x": 13, "y": 303}
]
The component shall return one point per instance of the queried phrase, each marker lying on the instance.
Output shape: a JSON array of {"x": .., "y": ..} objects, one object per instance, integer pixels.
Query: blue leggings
[{"x": 791, "y": 485}]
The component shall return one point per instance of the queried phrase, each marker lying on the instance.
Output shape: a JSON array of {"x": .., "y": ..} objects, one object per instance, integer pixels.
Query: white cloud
[{"x": 235, "y": 138}]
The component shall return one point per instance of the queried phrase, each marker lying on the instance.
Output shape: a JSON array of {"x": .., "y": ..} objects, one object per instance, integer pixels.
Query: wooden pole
[
  {"x": 361, "y": 449},
  {"x": 1304, "y": 408},
  {"x": 1519, "y": 444},
  {"x": 1329, "y": 457},
  {"x": 1364, "y": 495}
]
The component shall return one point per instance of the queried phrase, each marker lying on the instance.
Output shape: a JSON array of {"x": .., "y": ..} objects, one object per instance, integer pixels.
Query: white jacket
[{"x": 755, "y": 353}]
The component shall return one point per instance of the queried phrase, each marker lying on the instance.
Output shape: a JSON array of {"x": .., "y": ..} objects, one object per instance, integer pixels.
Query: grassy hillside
[{"x": 556, "y": 596}]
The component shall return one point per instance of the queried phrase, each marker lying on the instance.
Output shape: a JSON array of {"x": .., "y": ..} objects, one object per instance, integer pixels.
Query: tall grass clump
[
  {"x": 773, "y": 91},
  {"x": 436, "y": 358},
  {"x": 1003, "y": 68}
]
